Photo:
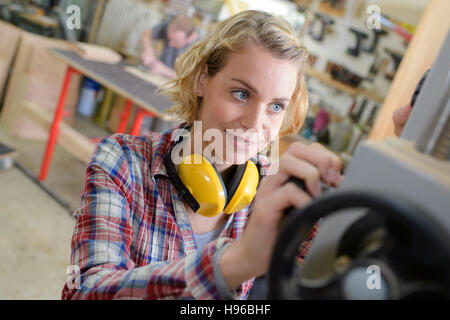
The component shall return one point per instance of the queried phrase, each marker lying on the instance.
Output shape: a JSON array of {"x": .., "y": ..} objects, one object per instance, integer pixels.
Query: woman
[{"x": 136, "y": 238}]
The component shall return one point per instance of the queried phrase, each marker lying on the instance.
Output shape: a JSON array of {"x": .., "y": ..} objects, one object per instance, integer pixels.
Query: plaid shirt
[{"x": 132, "y": 236}]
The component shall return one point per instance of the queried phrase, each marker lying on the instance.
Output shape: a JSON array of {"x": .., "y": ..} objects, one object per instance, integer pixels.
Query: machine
[{"x": 385, "y": 231}]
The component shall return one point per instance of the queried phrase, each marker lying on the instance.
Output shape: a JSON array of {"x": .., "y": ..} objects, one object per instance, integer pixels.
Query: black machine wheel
[{"x": 410, "y": 248}]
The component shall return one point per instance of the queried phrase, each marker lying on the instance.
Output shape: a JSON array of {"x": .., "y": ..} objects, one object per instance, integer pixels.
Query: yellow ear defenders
[{"x": 199, "y": 183}]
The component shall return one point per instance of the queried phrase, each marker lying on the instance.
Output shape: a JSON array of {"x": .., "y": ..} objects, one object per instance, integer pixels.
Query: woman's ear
[{"x": 201, "y": 85}]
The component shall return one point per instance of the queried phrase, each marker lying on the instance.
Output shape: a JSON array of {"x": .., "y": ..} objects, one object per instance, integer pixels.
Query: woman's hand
[
  {"x": 148, "y": 58},
  {"x": 400, "y": 116},
  {"x": 161, "y": 69},
  {"x": 250, "y": 255}
]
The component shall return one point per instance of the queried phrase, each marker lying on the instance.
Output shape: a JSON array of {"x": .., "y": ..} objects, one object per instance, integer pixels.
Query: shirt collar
[{"x": 164, "y": 142}]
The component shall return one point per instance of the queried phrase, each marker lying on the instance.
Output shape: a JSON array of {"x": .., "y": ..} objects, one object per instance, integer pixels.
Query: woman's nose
[{"x": 254, "y": 117}]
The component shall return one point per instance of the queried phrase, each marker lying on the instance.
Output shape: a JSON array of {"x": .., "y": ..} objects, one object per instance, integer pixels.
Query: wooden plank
[
  {"x": 70, "y": 139},
  {"x": 16, "y": 89},
  {"x": 96, "y": 21},
  {"x": 43, "y": 21},
  {"x": 326, "y": 77},
  {"x": 105, "y": 108},
  {"x": 115, "y": 113},
  {"x": 154, "y": 79},
  {"x": 37, "y": 77},
  {"x": 9, "y": 42},
  {"x": 95, "y": 52},
  {"x": 419, "y": 56}
]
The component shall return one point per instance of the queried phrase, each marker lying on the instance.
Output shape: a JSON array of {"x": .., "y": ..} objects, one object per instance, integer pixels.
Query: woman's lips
[
  {"x": 242, "y": 143},
  {"x": 246, "y": 140}
]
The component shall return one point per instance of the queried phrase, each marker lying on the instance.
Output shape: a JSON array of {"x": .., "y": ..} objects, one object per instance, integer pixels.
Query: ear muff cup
[
  {"x": 242, "y": 188},
  {"x": 201, "y": 178},
  {"x": 233, "y": 180}
]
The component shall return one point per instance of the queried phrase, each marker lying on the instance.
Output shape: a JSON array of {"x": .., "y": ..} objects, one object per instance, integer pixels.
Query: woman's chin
[{"x": 240, "y": 155}]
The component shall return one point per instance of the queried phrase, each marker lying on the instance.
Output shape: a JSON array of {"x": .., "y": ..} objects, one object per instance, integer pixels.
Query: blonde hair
[{"x": 230, "y": 36}]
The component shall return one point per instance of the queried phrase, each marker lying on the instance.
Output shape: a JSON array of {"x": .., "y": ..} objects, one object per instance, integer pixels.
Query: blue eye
[
  {"x": 276, "y": 107},
  {"x": 240, "y": 95}
]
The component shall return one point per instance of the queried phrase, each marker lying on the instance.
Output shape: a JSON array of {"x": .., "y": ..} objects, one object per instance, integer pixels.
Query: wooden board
[
  {"x": 70, "y": 139},
  {"x": 100, "y": 5},
  {"x": 97, "y": 53},
  {"x": 420, "y": 55},
  {"x": 154, "y": 79},
  {"x": 36, "y": 76},
  {"x": 9, "y": 42},
  {"x": 43, "y": 21},
  {"x": 114, "y": 117}
]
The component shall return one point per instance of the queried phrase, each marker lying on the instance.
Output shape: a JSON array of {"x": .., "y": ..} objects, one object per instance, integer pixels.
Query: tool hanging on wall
[
  {"x": 324, "y": 24},
  {"x": 379, "y": 65},
  {"x": 376, "y": 65},
  {"x": 372, "y": 116},
  {"x": 397, "y": 58},
  {"x": 377, "y": 33},
  {"x": 357, "y": 110},
  {"x": 360, "y": 36},
  {"x": 402, "y": 32},
  {"x": 343, "y": 75}
]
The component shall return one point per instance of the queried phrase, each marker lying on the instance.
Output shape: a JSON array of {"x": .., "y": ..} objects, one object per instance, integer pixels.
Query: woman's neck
[
  {"x": 199, "y": 223},
  {"x": 202, "y": 224},
  {"x": 223, "y": 169}
]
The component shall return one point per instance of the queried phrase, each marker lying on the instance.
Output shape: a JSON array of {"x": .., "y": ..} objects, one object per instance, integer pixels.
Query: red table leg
[
  {"x": 53, "y": 134},
  {"x": 124, "y": 117},
  {"x": 135, "y": 130}
]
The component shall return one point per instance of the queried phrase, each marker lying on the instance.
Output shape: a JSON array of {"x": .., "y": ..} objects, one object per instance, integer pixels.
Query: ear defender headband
[{"x": 199, "y": 183}]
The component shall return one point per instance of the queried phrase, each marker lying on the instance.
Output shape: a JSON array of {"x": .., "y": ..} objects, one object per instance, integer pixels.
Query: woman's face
[{"x": 246, "y": 101}]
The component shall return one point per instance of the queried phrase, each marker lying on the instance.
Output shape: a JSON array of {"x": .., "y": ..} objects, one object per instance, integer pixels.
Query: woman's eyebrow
[
  {"x": 246, "y": 84},
  {"x": 256, "y": 91}
]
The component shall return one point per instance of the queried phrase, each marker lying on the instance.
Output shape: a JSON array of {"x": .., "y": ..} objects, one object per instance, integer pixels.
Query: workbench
[{"x": 115, "y": 77}]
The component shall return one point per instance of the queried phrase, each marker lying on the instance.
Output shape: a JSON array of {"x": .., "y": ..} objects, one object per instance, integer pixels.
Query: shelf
[
  {"x": 43, "y": 21},
  {"x": 326, "y": 78}
]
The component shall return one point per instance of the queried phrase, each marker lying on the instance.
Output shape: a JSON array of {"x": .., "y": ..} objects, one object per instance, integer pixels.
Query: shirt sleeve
[
  {"x": 159, "y": 32},
  {"x": 267, "y": 168},
  {"x": 306, "y": 245},
  {"x": 102, "y": 241},
  {"x": 222, "y": 286}
]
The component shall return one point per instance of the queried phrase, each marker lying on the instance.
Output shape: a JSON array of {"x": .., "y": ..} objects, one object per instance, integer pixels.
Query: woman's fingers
[
  {"x": 400, "y": 116},
  {"x": 299, "y": 168},
  {"x": 329, "y": 164},
  {"x": 291, "y": 166},
  {"x": 290, "y": 195},
  {"x": 309, "y": 163}
]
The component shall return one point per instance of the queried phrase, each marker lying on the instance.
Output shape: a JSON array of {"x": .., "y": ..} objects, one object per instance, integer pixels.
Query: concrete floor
[
  {"x": 35, "y": 230},
  {"x": 35, "y": 233}
]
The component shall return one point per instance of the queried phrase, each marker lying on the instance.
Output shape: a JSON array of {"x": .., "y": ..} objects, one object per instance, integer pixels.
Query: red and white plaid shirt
[{"x": 132, "y": 236}]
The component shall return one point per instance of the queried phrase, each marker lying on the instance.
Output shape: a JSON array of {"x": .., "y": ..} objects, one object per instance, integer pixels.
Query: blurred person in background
[{"x": 177, "y": 35}]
